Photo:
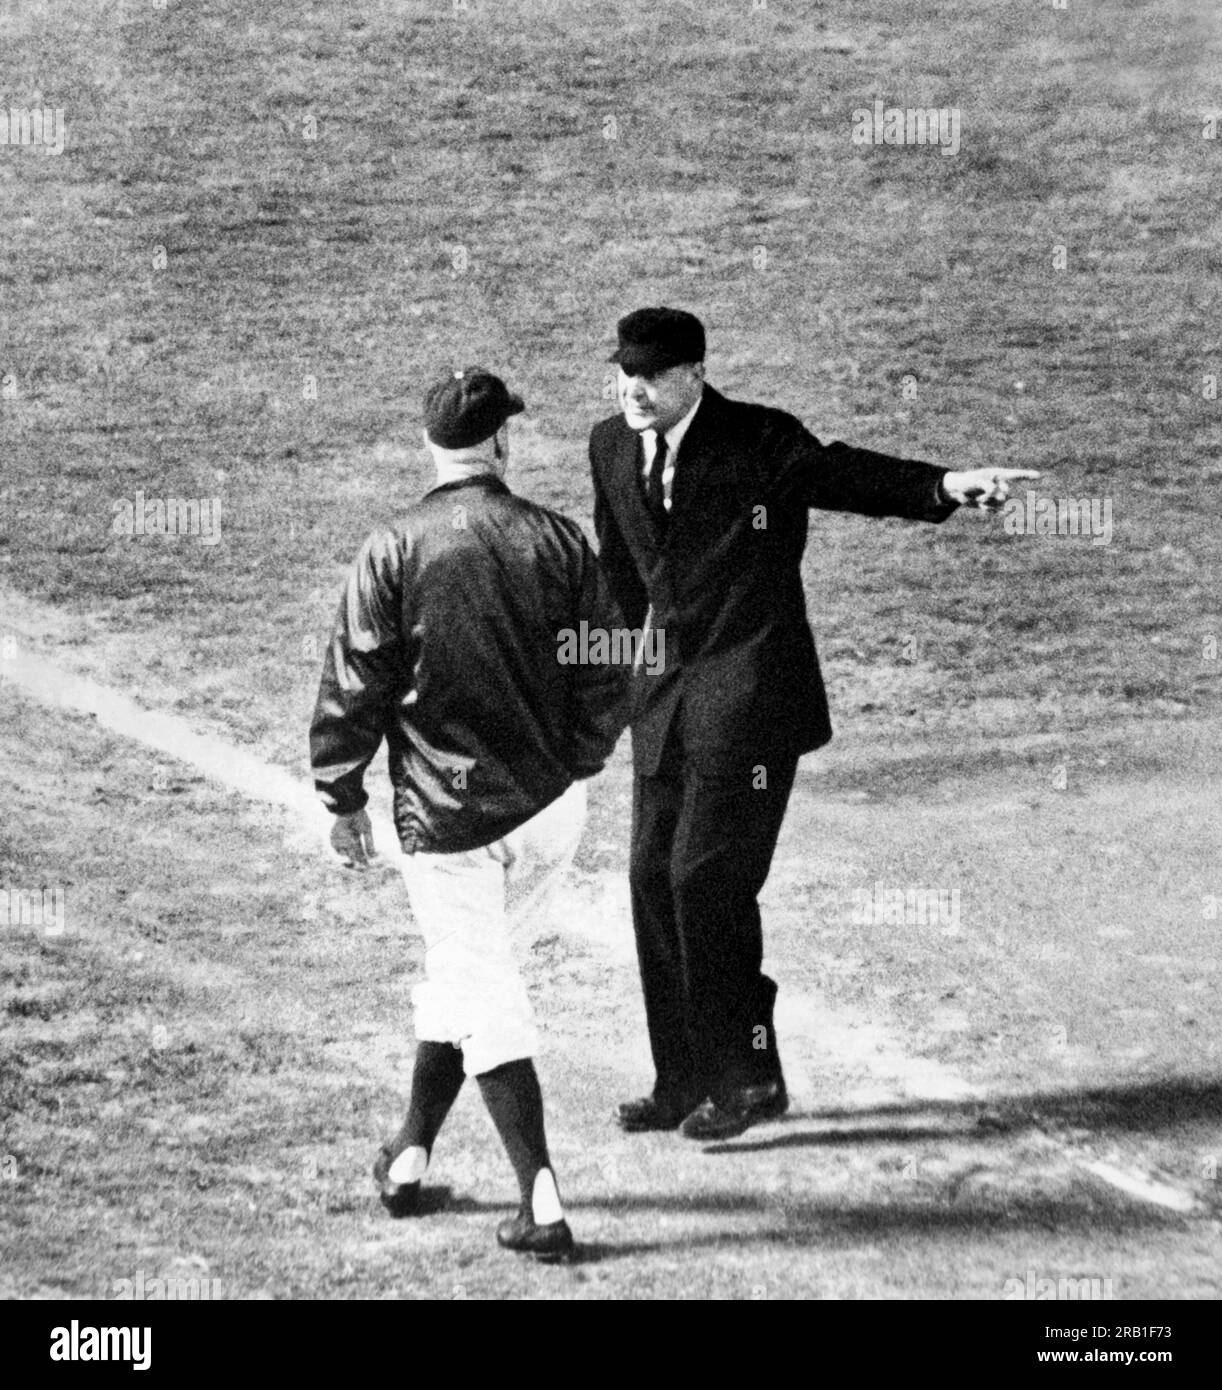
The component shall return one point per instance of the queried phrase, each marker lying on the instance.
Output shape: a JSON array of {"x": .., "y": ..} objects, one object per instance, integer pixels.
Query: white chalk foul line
[
  {"x": 217, "y": 759},
  {"x": 1145, "y": 1189}
]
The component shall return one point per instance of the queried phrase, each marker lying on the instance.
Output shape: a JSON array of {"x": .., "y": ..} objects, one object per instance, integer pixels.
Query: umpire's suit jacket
[{"x": 741, "y": 679}]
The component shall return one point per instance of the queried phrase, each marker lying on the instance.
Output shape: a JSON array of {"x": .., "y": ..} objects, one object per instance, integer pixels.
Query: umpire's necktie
[{"x": 656, "y": 492}]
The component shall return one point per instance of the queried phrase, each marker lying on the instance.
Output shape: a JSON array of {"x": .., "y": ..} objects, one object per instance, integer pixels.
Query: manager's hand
[
  {"x": 982, "y": 487},
  {"x": 352, "y": 840}
]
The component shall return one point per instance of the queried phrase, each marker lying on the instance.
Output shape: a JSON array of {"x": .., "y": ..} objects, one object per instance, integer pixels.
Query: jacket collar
[{"x": 485, "y": 480}]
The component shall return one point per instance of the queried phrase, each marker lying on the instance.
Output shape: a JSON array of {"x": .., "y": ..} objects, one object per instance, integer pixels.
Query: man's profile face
[{"x": 662, "y": 399}]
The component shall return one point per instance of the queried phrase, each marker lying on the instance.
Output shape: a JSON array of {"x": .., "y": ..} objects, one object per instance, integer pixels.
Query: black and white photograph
[{"x": 610, "y": 622}]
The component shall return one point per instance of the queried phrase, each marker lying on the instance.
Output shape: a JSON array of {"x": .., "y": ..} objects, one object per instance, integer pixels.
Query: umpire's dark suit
[{"x": 717, "y": 734}]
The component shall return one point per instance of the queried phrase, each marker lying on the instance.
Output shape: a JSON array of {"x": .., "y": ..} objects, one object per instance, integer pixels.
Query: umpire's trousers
[{"x": 702, "y": 844}]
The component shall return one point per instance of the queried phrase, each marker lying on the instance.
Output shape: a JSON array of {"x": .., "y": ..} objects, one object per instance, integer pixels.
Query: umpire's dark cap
[
  {"x": 468, "y": 407},
  {"x": 650, "y": 340}
]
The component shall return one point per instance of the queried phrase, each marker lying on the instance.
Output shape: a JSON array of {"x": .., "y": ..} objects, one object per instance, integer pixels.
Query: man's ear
[{"x": 698, "y": 370}]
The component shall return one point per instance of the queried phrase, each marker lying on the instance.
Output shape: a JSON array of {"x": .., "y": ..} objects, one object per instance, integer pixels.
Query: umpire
[
  {"x": 701, "y": 513},
  {"x": 446, "y": 647}
]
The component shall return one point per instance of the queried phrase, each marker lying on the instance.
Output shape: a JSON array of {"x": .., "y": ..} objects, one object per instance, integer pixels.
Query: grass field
[{"x": 267, "y": 231}]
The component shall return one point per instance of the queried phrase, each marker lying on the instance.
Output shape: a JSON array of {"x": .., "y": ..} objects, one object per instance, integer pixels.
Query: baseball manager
[{"x": 445, "y": 647}]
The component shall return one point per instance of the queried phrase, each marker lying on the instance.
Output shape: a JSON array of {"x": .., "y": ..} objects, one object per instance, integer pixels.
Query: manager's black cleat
[
  {"x": 551, "y": 1244},
  {"x": 399, "y": 1198}
]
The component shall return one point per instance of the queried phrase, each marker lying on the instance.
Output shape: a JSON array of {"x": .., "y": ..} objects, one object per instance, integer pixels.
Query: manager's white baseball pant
[{"x": 468, "y": 907}]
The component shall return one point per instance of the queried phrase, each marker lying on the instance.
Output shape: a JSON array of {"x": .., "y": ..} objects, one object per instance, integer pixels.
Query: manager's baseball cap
[
  {"x": 468, "y": 407},
  {"x": 650, "y": 340}
]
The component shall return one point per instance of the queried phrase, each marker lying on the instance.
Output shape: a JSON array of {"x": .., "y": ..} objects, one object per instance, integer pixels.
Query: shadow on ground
[
  {"x": 1133, "y": 1107},
  {"x": 829, "y": 1223}
]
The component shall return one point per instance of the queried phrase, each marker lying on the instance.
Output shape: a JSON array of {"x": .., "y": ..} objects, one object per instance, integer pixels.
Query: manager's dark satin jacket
[
  {"x": 447, "y": 645},
  {"x": 723, "y": 582}
]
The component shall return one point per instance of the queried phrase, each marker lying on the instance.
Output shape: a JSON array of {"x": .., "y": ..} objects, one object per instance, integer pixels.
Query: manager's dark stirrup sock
[
  {"x": 436, "y": 1081},
  {"x": 511, "y": 1093}
]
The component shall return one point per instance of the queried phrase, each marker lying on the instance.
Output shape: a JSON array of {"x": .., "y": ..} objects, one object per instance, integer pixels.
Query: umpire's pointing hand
[
  {"x": 983, "y": 487},
  {"x": 352, "y": 840}
]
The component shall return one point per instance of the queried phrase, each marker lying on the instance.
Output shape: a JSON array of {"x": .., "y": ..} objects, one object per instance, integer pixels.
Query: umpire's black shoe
[
  {"x": 637, "y": 1116},
  {"x": 550, "y": 1244},
  {"x": 399, "y": 1198},
  {"x": 737, "y": 1111}
]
